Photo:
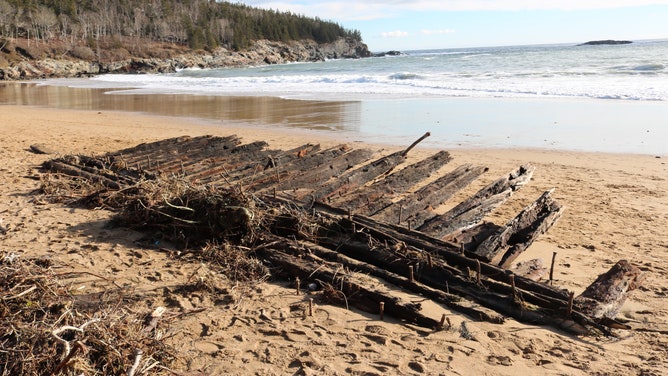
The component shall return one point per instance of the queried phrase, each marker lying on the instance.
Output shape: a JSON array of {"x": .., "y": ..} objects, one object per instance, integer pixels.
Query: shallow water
[{"x": 563, "y": 124}]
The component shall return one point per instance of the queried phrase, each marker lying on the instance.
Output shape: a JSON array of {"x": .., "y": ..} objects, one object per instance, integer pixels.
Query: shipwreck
[{"x": 342, "y": 219}]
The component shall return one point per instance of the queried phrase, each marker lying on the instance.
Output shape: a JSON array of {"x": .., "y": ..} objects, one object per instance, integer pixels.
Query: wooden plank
[
  {"x": 440, "y": 275},
  {"x": 380, "y": 194},
  {"x": 470, "y": 238},
  {"x": 286, "y": 171},
  {"x": 354, "y": 178},
  {"x": 230, "y": 159},
  {"x": 73, "y": 170},
  {"x": 151, "y": 146},
  {"x": 432, "y": 195},
  {"x": 273, "y": 162},
  {"x": 449, "y": 300},
  {"x": 154, "y": 156},
  {"x": 319, "y": 174},
  {"x": 357, "y": 177},
  {"x": 472, "y": 210},
  {"x": 149, "y": 156},
  {"x": 352, "y": 285},
  {"x": 198, "y": 161},
  {"x": 503, "y": 247},
  {"x": 449, "y": 252}
]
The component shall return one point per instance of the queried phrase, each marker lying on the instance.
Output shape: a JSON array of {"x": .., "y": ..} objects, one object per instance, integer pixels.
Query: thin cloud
[
  {"x": 437, "y": 32},
  {"x": 374, "y": 9},
  {"x": 394, "y": 34}
]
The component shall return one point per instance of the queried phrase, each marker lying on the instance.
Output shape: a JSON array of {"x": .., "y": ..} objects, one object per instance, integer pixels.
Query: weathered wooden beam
[
  {"x": 413, "y": 206},
  {"x": 197, "y": 162},
  {"x": 523, "y": 305},
  {"x": 285, "y": 171},
  {"x": 356, "y": 177},
  {"x": 153, "y": 155},
  {"x": 356, "y": 293},
  {"x": 471, "y": 211},
  {"x": 212, "y": 166},
  {"x": 470, "y": 238},
  {"x": 269, "y": 165},
  {"x": 449, "y": 252},
  {"x": 605, "y": 296},
  {"x": 449, "y": 300},
  {"x": 503, "y": 247},
  {"x": 323, "y": 172},
  {"x": 72, "y": 170},
  {"x": 378, "y": 195},
  {"x": 152, "y": 146}
]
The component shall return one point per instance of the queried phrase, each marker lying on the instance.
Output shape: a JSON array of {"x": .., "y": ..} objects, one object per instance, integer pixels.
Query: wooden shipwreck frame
[{"x": 376, "y": 221}]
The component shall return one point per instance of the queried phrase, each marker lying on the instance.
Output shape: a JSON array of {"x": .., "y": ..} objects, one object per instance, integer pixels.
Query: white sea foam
[
  {"x": 624, "y": 72},
  {"x": 595, "y": 98}
]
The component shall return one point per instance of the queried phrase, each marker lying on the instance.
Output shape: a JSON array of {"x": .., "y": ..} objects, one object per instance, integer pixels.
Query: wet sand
[
  {"x": 616, "y": 208},
  {"x": 552, "y": 124}
]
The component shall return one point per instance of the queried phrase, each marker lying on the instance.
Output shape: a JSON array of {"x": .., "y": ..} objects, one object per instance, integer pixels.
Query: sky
[{"x": 430, "y": 24}]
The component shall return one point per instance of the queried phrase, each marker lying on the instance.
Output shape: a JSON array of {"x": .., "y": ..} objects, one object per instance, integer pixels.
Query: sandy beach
[{"x": 616, "y": 208}]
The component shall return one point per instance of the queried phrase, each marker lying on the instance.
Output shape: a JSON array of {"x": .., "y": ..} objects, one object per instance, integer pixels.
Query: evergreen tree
[{"x": 197, "y": 23}]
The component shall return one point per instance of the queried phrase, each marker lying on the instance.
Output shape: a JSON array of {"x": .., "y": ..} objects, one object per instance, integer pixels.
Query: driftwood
[{"x": 42, "y": 149}]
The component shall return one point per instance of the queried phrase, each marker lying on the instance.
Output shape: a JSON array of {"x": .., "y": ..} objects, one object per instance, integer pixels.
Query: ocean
[{"x": 602, "y": 98}]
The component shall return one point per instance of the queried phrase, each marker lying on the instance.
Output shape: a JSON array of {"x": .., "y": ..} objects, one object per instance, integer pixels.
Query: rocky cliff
[{"x": 27, "y": 66}]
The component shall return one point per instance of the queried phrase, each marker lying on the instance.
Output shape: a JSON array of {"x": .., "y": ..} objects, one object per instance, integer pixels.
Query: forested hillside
[{"x": 199, "y": 24}]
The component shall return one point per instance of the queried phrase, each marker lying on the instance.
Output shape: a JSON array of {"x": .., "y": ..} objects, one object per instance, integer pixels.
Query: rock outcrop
[
  {"x": 607, "y": 41},
  {"x": 261, "y": 53},
  {"x": 389, "y": 53}
]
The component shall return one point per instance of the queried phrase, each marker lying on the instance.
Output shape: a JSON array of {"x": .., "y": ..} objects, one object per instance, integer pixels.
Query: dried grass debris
[{"x": 46, "y": 329}]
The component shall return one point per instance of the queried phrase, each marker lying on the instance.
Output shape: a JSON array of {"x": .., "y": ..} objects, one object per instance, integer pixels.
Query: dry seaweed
[
  {"x": 60, "y": 188},
  {"x": 194, "y": 216},
  {"x": 237, "y": 263},
  {"x": 45, "y": 329}
]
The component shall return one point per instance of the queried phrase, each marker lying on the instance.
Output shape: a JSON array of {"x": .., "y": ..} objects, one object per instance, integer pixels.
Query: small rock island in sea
[{"x": 607, "y": 41}]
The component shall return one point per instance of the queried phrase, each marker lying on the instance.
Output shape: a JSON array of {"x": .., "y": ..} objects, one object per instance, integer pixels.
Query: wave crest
[{"x": 405, "y": 76}]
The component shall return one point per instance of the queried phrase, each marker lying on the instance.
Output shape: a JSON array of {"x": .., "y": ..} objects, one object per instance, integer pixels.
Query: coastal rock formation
[
  {"x": 388, "y": 53},
  {"x": 607, "y": 41},
  {"x": 262, "y": 52}
]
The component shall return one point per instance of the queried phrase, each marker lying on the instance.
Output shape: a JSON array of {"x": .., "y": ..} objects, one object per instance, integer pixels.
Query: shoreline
[
  {"x": 197, "y": 126},
  {"x": 466, "y": 123},
  {"x": 616, "y": 208}
]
